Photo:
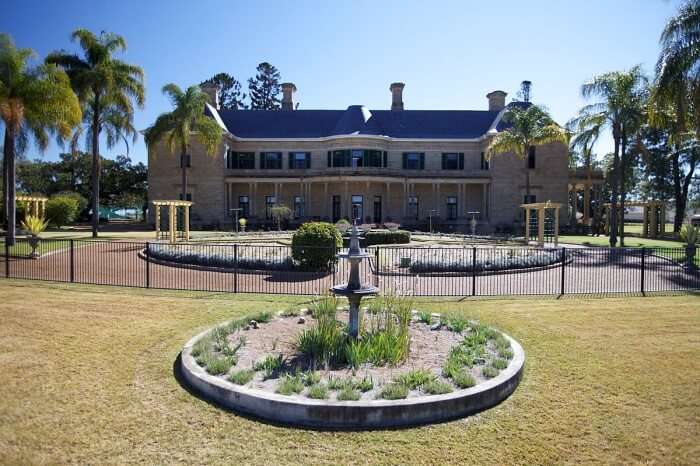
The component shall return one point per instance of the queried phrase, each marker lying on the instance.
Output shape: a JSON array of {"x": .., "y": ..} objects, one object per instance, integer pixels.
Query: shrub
[
  {"x": 436, "y": 387},
  {"x": 269, "y": 365},
  {"x": 62, "y": 210},
  {"x": 426, "y": 317},
  {"x": 348, "y": 394},
  {"x": 242, "y": 377},
  {"x": 463, "y": 379},
  {"x": 415, "y": 378},
  {"x": 218, "y": 366},
  {"x": 325, "y": 342},
  {"x": 499, "y": 363},
  {"x": 311, "y": 378},
  {"x": 440, "y": 260},
  {"x": 289, "y": 384},
  {"x": 34, "y": 225},
  {"x": 394, "y": 391},
  {"x": 489, "y": 372},
  {"x": 223, "y": 257},
  {"x": 318, "y": 392},
  {"x": 373, "y": 237},
  {"x": 364, "y": 385},
  {"x": 315, "y": 244},
  {"x": 506, "y": 353},
  {"x": 690, "y": 234}
]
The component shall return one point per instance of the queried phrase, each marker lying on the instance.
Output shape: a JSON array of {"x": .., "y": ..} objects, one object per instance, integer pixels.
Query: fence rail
[{"x": 421, "y": 271}]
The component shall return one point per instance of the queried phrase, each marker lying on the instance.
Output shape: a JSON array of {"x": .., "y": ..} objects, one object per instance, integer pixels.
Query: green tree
[
  {"x": 230, "y": 95},
  {"x": 107, "y": 88},
  {"x": 34, "y": 102},
  {"x": 621, "y": 96},
  {"x": 177, "y": 126},
  {"x": 265, "y": 88},
  {"x": 528, "y": 127}
]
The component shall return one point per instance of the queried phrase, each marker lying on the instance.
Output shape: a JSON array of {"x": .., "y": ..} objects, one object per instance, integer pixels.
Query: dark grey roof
[{"x": 358, "y": 120}]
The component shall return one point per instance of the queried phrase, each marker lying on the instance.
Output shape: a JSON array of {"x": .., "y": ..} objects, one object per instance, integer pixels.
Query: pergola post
[
  {"x": 157, "y": 206},
  {"x": 662, "y": 218},
  {"x": 586, "y": 204},
  {"x": 654, "y": 219},
  {"x": 556, "y": 226},
  {"x": 172, "y": 223},
  {"x": 645, "y": 221},
  {"x": 540, "y": 226},
  {"x": 527, "y": 225},
  {"x": 186, "y": 221}
]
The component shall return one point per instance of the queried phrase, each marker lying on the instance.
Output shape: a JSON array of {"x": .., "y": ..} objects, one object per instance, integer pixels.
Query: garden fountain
[{"x": 354, "y": 290}]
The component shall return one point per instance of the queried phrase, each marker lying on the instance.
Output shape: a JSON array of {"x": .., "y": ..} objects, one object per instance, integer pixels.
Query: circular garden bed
[{"x": 300, "y": 367}]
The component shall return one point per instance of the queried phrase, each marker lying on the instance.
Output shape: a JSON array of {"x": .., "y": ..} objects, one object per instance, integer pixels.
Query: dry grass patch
[{"x": 88, "y": 378}]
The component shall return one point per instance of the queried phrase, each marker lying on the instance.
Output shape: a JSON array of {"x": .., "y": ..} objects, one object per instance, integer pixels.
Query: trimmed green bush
[
  {"x": 315, "y": 244},
  {"x": 242, "y": 377},
  {"x": 62, "y": 209},
  {"x": 373, "y": 237},
  {"x": 348, "y": 394},
  {"x": 436, "y": 387}
]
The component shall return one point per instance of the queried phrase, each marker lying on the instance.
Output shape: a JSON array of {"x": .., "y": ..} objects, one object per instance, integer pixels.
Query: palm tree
[
  {"x": 529, "y": 127},
  {"x": 177, "y": 126},
  {"x": 34, "y": 102},
  {"x": 620, "y": 94},
  {"x": 583, "y": 141},
  {"x": 106, "y": 87},
  {"x": 675, "y": 98}
]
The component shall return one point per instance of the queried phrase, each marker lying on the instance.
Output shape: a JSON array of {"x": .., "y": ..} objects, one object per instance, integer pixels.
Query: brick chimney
[
  {"x": 396, "y": 96},
  {"x": 288, "y": 90},
  {"x": 497, "y": 100},
  {"x": 212, "y": 90}
]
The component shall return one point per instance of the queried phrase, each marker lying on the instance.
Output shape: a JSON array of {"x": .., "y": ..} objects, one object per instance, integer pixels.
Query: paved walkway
[{"x": 590, "y": 271}]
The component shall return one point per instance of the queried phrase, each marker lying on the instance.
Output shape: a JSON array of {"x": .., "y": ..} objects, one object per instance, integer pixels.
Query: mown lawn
[{"x": 87, "y": 377}]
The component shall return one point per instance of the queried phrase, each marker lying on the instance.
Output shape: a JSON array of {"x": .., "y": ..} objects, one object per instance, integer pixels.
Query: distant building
[{"x": 375, "y": 166}]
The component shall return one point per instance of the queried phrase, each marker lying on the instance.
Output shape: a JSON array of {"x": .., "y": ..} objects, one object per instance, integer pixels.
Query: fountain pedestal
[{"x": 354, "y": 290}]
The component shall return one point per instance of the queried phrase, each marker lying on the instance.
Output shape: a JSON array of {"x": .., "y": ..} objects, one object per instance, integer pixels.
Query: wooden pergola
[
  {"x": 174, "y": 207},
  {"x": 653, "y": 217},
  {"x": 542, "y": 208},
  {"x": 38, "y": 203}
]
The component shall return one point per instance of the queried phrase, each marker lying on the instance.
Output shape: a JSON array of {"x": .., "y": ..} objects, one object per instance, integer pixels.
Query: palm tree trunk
[
  {"x": 677, "y": 192},
  {"x": 96, "y": 167},
  {"x": 613, "y": 196},
  {"x": 9, "y": 188},
  {"x": 527, "y": 172},
  {"x": 623, "y": 190}
]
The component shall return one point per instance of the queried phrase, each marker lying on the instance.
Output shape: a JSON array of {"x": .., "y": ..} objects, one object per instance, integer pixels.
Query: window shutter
[
  {"x": 444, "y": 157},
  {"x": 308, "y": 160},
  {"x": 384, "y": 157},
  {"x": 404, "y": 162},
  {"x": 461, "y": 160},
  {"x": 262, "y": 159},
  {"x": 330, "y": 159},
  {"x": 422, "y": 160},
  {"x": 290, "y": 159}
]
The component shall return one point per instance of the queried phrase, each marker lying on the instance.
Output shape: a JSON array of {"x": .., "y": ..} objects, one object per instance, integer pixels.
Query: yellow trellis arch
[{"x": 173, "y": 207}]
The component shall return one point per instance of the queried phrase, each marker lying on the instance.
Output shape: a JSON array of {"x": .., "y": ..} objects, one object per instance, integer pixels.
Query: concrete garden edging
[{"x": 375, "y": 414}]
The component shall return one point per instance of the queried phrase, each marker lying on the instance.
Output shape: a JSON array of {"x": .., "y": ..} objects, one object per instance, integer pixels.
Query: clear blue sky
[{"x": 449, "y": 54}]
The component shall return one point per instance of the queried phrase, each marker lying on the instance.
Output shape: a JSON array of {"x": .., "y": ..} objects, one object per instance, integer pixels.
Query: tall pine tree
[
  {"x": 265, "y": 88},
  {"x": 230, "y": 95}
]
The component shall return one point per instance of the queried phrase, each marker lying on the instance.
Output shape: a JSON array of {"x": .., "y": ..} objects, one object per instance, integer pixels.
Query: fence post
[
  {"x": 474, "y": 271},
  {"x": 376, "y": 267},
  {"x": 235, "y": 268},
  {"x": 72, "y": 262},
  {"x": 337, "y": 263},
  {"x": 563, "y": 270},
  {"x": 148, "y": 264},
  {"x": 7, "y": 259},
  {"x": 643, "y": 268}
]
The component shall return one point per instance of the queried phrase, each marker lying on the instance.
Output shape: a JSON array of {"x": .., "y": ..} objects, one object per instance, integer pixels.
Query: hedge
[
  {"x": 373, "y": 237},
  {"x": 315, "y": 245},
  {"x": 62, "y": 210},
  {"x": 450, "y": 260},
  {"x": 249, "y": 257}
]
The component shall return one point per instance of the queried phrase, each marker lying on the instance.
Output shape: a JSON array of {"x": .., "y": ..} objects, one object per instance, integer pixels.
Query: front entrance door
[
  {"x": 336, "y": 209},
  {"x": 377, "y": 209}
]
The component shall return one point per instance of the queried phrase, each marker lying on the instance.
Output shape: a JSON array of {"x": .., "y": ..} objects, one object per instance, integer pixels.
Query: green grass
[
  {"x": 348, "y": 394},
  {"x": 242, "y": 376},
  {"x": 489, "y": 372},
  {"x": 269, "y": 365},
  {"x": 88, "y": 378},
  {"x": 437, "y": 387},
  {"x": 463, "y": 379},
  {"x": 393, "y": 391},
  {"x": 289, "y": 384},
  {"x": 318, "y": 392},
  {"x": 630, "y": 241},
  {"x": 415, "y": 378}
]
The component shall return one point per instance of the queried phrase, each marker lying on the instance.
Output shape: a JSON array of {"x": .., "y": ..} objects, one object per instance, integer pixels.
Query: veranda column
[
  {"x": 186, "y": 221},
  {"x": 575, "y": 205},
  {"x": 527, "y": 225},
  {"x": 172, "y": 222},
  {"x": 654, "y": 219},
  {"x": 387, "y": 202},
  {"x": 662, "y": 218},
  {"x": 586, "y": 204},
  {"x": 157, "y": 219},
  {"x": 540, "y": 226},
  {"x": 645, "y": 221}
]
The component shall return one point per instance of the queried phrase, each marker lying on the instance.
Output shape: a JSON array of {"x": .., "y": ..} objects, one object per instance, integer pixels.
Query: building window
[
  {"x": 339, "y": 158},
  {"x": 356, "y": 158},
  {"x": 453, "y": 161},
  {"x": 299, "y": 160},
  {"x": 484, "y": 162},
  {"x": 270, "y": 202},
  {"x": 271, "y": 160},
  {"x": 413, "y": 207},
  {"x": 531, "y": 158},
  {"x": 529, "y": 199},
  {"x": 240, "y": 160},
  {"x": 413, "y": 160},
  {"x": 244, "y": 206},
  {"x": 298, "y": 206},
  {"x": 357, "y": 208},
  {"x": 451, "y": 208}
]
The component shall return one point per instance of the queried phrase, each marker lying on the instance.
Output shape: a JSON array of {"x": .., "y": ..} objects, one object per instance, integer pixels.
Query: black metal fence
[{"x": 421, "y": 271}]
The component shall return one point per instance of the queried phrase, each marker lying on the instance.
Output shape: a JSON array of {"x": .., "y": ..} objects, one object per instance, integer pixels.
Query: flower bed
[
  {"x": 487, "y": 260},
  {"x": 224, "y": 256}
]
